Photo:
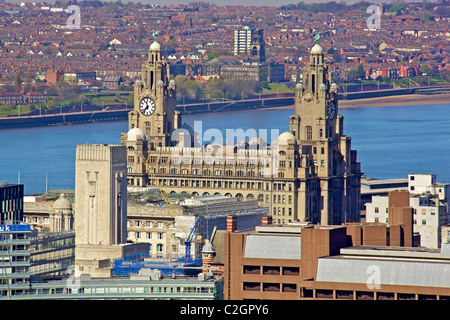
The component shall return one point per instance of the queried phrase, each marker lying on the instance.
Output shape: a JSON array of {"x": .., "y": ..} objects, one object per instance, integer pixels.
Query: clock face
[
  {"x": 147, "y": 106},
  {"x": 331, "y": 109}
]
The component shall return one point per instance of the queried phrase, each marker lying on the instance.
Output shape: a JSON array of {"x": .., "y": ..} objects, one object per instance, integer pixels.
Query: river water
[{"x": 391, "y": 142}]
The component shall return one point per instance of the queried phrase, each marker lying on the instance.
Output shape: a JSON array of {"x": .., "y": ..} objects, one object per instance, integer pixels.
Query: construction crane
[{"x": 189, "y": 237}]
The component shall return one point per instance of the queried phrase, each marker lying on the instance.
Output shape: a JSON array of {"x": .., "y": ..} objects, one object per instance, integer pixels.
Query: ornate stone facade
[
  {"x": 307, "y": 174},
  {"x": 316, "y": 123}
]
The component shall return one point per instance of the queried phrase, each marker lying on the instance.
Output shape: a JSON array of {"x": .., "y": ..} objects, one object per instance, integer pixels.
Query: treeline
[
  {"x": 331, "y": 6},
  {"x": 440, "y": 7}
]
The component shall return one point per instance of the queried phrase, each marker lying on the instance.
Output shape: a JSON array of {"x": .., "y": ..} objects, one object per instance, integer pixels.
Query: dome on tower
[
  {"x": 135, "y": 133},
  {"x": 283, "y": 139},
  {"x": 207, "y": 247},
  {"x": 155, "y": 46},
  {"x": 62, "y": 203},
  {"x": 316, "y": 49}
]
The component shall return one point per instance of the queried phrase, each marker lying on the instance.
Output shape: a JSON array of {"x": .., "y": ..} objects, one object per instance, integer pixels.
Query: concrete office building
[
  {"x": 249, "y": 41},
  {"x": 144, "y": 286},
  {"x": 428, "y": 199},
  {"x": 308, "y": 174},
  {"x": 375, "y": 187},
  {"x": 11, "y": 202},
  {"x": 14, "y": 258},
  {"x": 252, "y": 65}
]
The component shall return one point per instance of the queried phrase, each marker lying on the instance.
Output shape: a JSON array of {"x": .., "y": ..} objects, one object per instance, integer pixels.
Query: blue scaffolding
[{"x": 169, "y": 265}]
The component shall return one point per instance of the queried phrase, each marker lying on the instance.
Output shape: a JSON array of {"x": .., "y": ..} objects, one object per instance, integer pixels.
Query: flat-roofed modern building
[
  {"x": 348, "y": 262},
  {"x": 14, "y": 259},
  {"x": 147, "y": 285},
  {"x": 381, "y": 273},
  {"x": 429, "y": 202},
  {"x": 375, "y": 187},
  {"x": 282, "y": 261},
  {"x": 11, "y": 202}
]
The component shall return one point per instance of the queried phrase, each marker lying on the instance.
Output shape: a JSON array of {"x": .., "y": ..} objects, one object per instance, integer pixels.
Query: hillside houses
[{"x": 113, "y": 40}]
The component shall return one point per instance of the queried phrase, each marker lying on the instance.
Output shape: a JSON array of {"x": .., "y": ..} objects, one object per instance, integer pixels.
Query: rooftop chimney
[{"x": 231, "y": 223}]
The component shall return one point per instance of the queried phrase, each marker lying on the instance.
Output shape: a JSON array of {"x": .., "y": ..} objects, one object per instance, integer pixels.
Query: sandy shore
[{"x": 403, "y": 100}]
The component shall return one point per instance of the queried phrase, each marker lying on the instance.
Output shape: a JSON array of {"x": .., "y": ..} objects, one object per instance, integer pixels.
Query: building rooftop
[
  {"x": 383, "y": 186},
  {"x": 273, "y": 247},
  {"x": 418, "y": 267}
]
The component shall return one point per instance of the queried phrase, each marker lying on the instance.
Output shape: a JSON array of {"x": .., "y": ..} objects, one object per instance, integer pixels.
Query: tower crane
[{"x": 189, "y": 236}]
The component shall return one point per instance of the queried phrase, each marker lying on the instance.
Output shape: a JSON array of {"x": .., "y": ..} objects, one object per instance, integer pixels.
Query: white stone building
[{"x": 429, "y": 200}]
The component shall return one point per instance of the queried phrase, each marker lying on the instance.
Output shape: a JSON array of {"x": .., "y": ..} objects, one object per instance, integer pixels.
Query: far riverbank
[
  {"x": 400, "y": 100},
  {"x": 403, "y": 100},
  {"x": 257, "y": 104}
]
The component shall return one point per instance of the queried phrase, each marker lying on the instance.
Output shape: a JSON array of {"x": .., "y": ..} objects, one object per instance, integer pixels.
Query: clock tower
[
  {"x": 155, "y": 101},
  {"x": 316, "y": 122},
  {"x": 153, "y": 118}
]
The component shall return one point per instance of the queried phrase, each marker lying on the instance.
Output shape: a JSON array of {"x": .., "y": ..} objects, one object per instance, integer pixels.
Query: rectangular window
[
  {"x": 291, "y": 271},
  {"x": 289, "y": 287},
  {"x": 308, "y": 133},
  {"x": 252, "y": 270},
  {"x": 230, "y": 161},
  {"x": 252, "y": 286},
  {"x": 274, "y": 287}
]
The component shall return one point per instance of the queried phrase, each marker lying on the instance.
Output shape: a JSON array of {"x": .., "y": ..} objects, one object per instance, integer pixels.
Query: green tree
[
  {"x": 212, "y": 55},
  {"x": 18, "y": 81},
  {"x": 112, "y": 7},
  {"x": 140, "y": 33},
  {"x": 28, "y": 82},
  {"x": 360, "y": 73},
  {"x": 396, "y": 7}
]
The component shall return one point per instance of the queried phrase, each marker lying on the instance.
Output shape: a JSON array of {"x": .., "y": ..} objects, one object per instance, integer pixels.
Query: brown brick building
[{"x": 365, "y": 261}]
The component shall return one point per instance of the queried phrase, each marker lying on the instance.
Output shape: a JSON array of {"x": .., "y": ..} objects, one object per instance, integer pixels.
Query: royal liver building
[{"x": 307, "y": 174}]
